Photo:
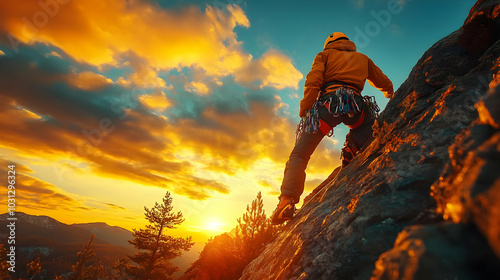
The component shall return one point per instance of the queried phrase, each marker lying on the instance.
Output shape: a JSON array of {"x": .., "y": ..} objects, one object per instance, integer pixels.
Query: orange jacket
[{"x": 343, "y": 64}]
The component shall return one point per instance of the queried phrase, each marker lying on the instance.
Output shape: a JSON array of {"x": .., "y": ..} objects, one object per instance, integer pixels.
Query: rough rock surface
[{"x": 422, "y": 200}]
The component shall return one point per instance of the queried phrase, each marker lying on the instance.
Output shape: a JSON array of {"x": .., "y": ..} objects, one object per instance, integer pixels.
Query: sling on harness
[
  {"x": 341, "y": 101},
  {"x": 371, "y": 106}
]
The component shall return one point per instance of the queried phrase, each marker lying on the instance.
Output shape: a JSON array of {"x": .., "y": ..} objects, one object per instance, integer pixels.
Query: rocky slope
[{"x": 422, "y": 201}]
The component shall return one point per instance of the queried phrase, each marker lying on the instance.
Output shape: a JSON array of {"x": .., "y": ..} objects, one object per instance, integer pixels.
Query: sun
[{"x": 214, "y": 225}]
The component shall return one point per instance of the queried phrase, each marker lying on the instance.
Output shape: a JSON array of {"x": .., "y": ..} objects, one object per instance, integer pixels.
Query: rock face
[{"x": 422, "y": 201}]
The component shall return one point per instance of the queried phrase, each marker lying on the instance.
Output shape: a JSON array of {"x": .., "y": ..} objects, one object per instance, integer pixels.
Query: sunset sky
[{"x": 106, "y": 105}]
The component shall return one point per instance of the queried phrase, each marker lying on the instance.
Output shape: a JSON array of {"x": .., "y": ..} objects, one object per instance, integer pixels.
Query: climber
[{"x": 332, "y": 95}]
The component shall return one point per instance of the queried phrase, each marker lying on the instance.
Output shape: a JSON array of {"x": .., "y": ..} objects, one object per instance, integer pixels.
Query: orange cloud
[
  {"x": 134, "y": 144},
  {"x": 95, "y": 31},
  {"x": 107, "y": 153},
  {"x": 88, "y": 80},
  {"x": 239, "y": 17},
  {"x": 144, "y": 147},
  {"x": 198, "y": 87},
  {"x": 157, "y": 101},
  {"x": 219, "y": 166},
  {"x": 19, "y": 122},
  {"x": 240, "y": 137},
  {"x": 54, "y": 53},
  {"x": 102, "y": 32},
  {"x": 35, "y": 194},
  {"x": 137, "y": 146},
  {"x": 274, "y": 69},
  {"x": 236, "y": 140},
  {"x": 144, "y": 76},
  {"x": 266, "y": 184}
]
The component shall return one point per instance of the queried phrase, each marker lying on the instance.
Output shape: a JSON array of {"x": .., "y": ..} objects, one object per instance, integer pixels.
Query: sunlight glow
[{"x": 214, "y": 225}]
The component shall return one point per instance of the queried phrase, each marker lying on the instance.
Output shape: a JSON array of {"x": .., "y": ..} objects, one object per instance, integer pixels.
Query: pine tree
[
  {"x": 157, "y": 249},
  {"x": 254, "y": 231},
  {"x": 4, "y": 272},
  {"x": 122, "y": 268},
  {"x": 84, "y": 256},
  {"x": 34, "y": 269},
  {"x": 225, "y": 257}
]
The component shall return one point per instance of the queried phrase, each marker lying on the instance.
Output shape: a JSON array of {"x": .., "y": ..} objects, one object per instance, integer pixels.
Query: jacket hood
[{"x": 342, "y": 45}]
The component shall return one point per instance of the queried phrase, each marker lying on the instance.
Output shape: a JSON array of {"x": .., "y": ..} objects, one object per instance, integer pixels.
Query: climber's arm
[
  {"x": 314, "y": 81},
  {"x": 379, "y": 80}
]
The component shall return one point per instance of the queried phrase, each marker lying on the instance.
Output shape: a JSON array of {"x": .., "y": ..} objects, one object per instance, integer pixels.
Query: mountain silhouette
[
  {"x": 57, "y": 244},
  {"x": 109, "y": 234}
]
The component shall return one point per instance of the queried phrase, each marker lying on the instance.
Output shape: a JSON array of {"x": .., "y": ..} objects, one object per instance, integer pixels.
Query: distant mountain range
[
  {"x": 110, "y": 234},
  {"x": 57, "y": 244},
  {"x": 49, "y": 228}
]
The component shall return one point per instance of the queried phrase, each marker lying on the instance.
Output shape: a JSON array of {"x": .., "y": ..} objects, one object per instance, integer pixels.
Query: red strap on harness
[
  {"x": 359, "y": 122},
  {"x": 324, "y": 127}
]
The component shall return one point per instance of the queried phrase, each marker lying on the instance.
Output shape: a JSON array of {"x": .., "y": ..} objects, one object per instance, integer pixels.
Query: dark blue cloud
[{"x": 38, "y": 82}]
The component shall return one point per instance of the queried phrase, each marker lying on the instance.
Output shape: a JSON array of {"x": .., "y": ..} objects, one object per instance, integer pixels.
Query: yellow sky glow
[{"x": 80, "y": 161}]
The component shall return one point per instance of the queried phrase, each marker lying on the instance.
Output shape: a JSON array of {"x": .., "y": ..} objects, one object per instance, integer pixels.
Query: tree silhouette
[
  {"x": 4, "y": 272},
  {"x": 34, "y": 269},
  {"x": 226, "y": 256},
  {"x": 157, "y": 249},
  {"x": 254, "y": 231},
  {"x": 219, "y": 260},
  {"x": 88, "y": 266},
  {"x": 83, "y": 257},
  {"x": 122, "y": 268}
]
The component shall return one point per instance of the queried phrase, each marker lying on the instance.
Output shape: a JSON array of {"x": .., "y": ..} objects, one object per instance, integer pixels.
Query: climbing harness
[{"x": 340, "y": 102}]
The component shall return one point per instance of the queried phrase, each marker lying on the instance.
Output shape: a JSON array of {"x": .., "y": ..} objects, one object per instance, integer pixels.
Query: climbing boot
[
  {"x": 348, "y": 153},
  {"x": 284, "y": 211}
]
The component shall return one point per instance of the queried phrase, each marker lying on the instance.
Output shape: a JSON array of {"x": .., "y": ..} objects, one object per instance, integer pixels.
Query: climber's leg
[{"x": 295, "y": 175}]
